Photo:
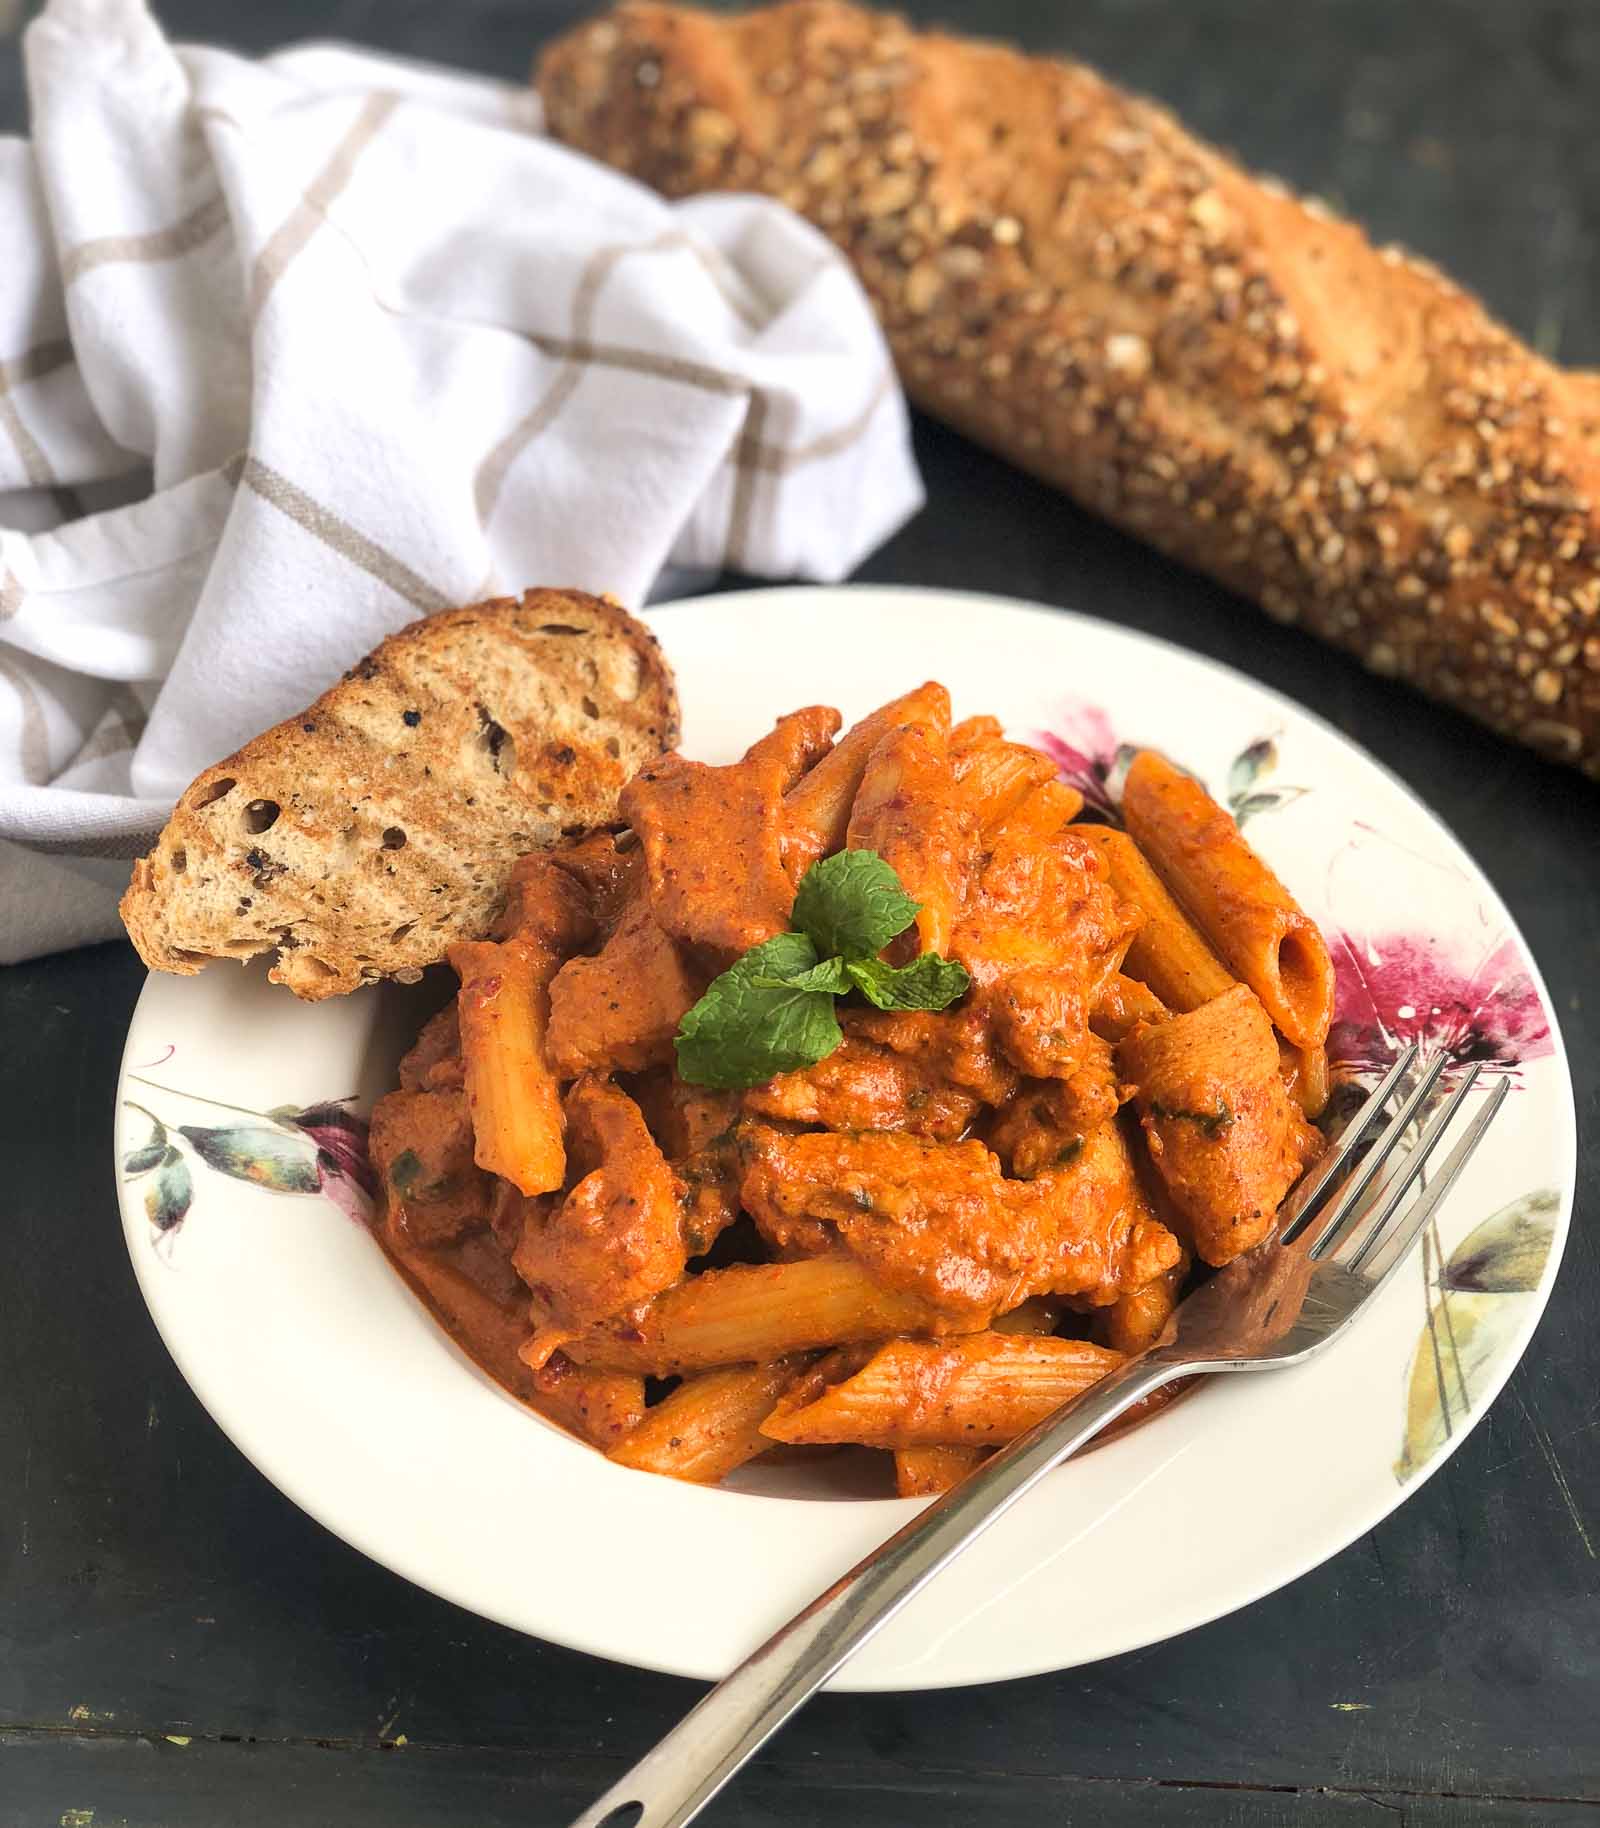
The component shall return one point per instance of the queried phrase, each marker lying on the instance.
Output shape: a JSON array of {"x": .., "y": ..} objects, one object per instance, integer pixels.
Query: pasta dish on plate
[{"x": 856, "y": 1093}]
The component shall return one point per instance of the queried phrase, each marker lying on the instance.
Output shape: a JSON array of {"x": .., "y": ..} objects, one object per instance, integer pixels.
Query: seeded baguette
[
  {"x": 361, "y": 838},
  {"x": 1231, "y": 373}
]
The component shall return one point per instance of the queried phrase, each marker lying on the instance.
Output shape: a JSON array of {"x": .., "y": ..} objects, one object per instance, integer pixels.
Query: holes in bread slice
[
  {"x": 213, "y": 791},
  {"x": 498, "y": 743},
  {"x": 261, "y": 815},
  {"x": 178, "y": 861}
]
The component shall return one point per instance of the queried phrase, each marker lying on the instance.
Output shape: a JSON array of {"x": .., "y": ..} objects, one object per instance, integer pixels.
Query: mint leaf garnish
[
  {"x": 851, "y": 905},
  {"x": 752, "y": 1023},
  {"x": 928, "y": 982},
  {"x": 772, "y": 1011},
  {"x": 832, "y": 975}
]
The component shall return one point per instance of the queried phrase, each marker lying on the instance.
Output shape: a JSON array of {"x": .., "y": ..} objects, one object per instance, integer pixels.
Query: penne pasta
[
  {"x": 978, "y": 1390},
  {"x": 906, "y": 810},
  {"x": 974, "y": 730},
  {"x": 504, "y": 1005},
  {"x": 1124, "y": 1003},
  {"x": 816, "y": 810},
  {"x": 1305, "y": 1073},
  {"x": 1168, "y": 953},
  {"x": 1133, "y": 1322},
  {"x": 599, "y": 1406},
  {"x": 710, "y": 1424},
  {"x": 753, "y": 1312},
  {"x": 1255, "y": 924},
  {"x": 993, "y": 776},
  {"x": 924, "y": 1472}
]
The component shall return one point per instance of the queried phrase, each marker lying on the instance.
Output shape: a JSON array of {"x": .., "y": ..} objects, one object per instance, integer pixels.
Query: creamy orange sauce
[{"x": 1056, "y": 1137}]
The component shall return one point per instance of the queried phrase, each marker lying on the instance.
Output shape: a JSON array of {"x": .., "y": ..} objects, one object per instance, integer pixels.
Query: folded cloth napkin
[{"x": 294, "y": 351}]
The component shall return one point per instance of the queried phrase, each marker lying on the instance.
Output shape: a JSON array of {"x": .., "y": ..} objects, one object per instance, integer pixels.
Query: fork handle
[{"x": 674, "y": 1782}]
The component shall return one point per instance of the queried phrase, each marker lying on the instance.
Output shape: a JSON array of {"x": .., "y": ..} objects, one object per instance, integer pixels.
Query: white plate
[{"x": 321, "y": 1366}]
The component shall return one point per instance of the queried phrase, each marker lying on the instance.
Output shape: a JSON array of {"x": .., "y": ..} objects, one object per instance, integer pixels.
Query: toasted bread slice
[{"x": 362, "y": 837}]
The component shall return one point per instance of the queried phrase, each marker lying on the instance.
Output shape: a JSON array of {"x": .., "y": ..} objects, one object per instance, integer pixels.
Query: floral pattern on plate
[
  {"x": 1089, "y": 756},
  {"x": 317, "y": 1149}
]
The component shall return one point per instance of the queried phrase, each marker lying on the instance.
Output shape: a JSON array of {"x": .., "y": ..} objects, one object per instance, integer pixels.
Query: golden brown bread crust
[
  {"x": 1067, "y": 275},
  {"x": 362, "y": 837}
]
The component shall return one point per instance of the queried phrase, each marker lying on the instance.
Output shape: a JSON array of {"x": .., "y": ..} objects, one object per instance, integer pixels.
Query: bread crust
[
  {"x": 359, "y": 839},
  {"x": 1233, "y": 374}
]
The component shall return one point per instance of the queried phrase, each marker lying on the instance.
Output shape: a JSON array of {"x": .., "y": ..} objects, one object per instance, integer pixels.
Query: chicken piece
[
  {"x": 816, "y": 811},
  {"x": 434, "y": 1060},
  {"x": 685, "y": 1119},
  {"x": 1095, "y": 1235},
  {"x": 939, "y": 1221},
  {"x": 618, "y": 1011},
  {"x": 1226, "y": 1137},
  {"x": 993, "y": 777},
  {"x": 617, "y": 1238},
  {"x": 907, "y": 810},
  {"x": 508, "y": 1214},
  {"x": 610, "y": 868},
  {"x": 863, "y": 1085},
  {"x": 1045, "y": 1123},
  {"x": 713, "y": 837},
  {"x": 546, "y": 905},
  {"x": 955, "y": 1044},
  {"x": 1042, "y": 935},
  {"x": 421, "y": 1148},
  {"x": 697, "y": 1130}
]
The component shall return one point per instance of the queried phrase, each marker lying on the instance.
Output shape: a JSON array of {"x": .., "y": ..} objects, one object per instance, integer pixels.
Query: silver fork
[{"x": 1341, "y": 1235}]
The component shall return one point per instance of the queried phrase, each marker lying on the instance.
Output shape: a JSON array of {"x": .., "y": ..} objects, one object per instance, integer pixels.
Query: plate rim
[{"x": 852, "y": 1679}]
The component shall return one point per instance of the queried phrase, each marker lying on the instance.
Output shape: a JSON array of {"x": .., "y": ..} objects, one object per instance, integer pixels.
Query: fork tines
[
  {"x": 1359, "y": 1224},
  {"x": 1304, "y": 1202}
]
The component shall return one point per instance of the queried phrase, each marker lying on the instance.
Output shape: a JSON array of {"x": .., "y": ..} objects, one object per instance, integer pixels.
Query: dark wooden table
[{"x": 180, "y": 1646}]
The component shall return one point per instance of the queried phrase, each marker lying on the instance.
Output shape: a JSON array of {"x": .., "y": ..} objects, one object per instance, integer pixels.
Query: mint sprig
[
  {"x": 852, "y": 904},
  {"x": 928, "y": 982},
  {"x": 752, "y": 1022},
  {"x": 773, "y": 1010}
]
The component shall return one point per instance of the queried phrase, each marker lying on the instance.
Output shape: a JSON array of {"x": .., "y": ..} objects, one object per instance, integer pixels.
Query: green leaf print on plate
[
  {"x": 1481, "y": 1293},
  {"x": 170, "y": 1193},
  {"x": 259, "y": 1153},
  {"x": 318, "y": 1148}
]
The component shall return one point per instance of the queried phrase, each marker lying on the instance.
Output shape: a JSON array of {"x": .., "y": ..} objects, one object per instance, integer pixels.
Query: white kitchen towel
[{"x": 294, "y": 351}]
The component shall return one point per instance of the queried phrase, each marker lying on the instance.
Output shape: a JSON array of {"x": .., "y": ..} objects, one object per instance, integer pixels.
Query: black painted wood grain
[
  {"x": 157, "y": 1781},
  {"x": 1444, "y": 1670}
]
